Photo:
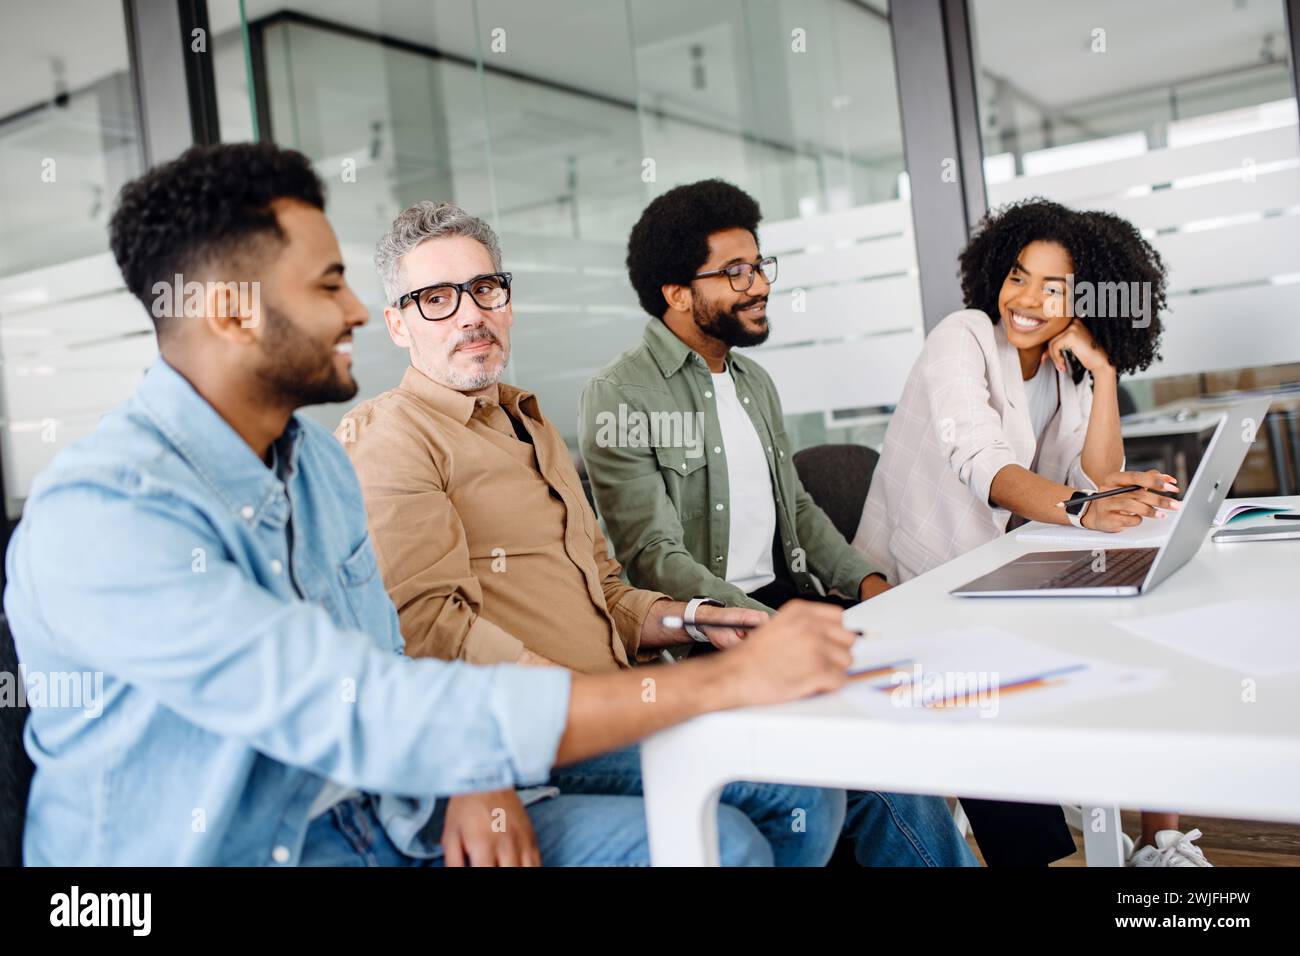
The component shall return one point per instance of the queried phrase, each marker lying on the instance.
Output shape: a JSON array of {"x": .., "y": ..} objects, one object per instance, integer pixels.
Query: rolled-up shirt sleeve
[
  {"x": 628, "y": 606},
  {"x": 232, "y": 657},
  {"x": 970, "y": 430},
  {"x": 1076, "y": 477}
]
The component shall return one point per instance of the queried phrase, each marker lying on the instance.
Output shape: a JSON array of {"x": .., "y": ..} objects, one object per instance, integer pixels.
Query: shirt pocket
[
  {"x": 686, "y": 479},
  {"x": 363, "y": 591}
]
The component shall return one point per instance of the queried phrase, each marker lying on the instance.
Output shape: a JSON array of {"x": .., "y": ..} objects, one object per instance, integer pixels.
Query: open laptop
[{"x": 1128, "y": 571}]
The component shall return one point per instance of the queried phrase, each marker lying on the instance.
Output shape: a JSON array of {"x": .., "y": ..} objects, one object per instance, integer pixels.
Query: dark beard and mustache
[
  {"x": 725, "y": 325},
  {"x": 299, "y": 370}
]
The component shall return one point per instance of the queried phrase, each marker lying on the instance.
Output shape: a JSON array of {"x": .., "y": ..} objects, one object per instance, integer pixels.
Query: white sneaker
[{"x": 1173, "y": 848}]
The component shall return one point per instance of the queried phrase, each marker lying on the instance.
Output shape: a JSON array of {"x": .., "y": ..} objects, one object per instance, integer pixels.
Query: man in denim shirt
[{"x": 204, "y": 553}]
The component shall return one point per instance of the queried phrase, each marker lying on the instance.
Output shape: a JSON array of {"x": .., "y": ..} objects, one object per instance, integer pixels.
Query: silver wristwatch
[
  {"x": 1075, "y": 512},
  {"x": 688, "y": 617}
]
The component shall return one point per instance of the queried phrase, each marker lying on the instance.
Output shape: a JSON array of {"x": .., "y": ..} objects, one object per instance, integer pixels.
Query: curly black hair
[
  {"x": 1106, "y": 250},
  {"x": 670, "y": 241},
  {"x": 210, "y": 204}
]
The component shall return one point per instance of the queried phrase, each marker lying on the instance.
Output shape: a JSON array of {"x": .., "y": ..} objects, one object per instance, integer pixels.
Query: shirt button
[
  {"x": 683, "y": 466},
  {"x": 280, "y": 854},
  {"x": 718, "y": 506},
  {"x": 247, "y": 511},
  {"x": 769, "y": 449},
  {"x": 718, "y": 559},
  {"x": 708, "y": 394},
  {"x": 717, "y": 449},
  {"x": 276, "y": 566},
  {"x": 745, "y": 399}
]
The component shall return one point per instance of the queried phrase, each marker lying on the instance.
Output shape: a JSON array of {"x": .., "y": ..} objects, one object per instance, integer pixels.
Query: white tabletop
[
  {"x": 1190, "y": 744},
  {"x": 1198, "y": 698}
]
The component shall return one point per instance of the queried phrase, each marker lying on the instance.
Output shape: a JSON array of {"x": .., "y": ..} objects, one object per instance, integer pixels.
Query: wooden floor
[{"x": 1225, "y": 842}]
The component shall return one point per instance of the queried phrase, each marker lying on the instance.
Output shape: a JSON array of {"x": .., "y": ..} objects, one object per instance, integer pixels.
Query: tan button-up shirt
[{"x": 486, "y": 543}]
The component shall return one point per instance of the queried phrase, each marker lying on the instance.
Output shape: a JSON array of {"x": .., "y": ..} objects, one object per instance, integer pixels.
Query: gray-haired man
[{"x": 487, "y": 545}]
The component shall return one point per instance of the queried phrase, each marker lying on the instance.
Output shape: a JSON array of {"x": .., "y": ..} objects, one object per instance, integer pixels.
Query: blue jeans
[
  {"x": 800, "y": 825},
  {"x": 901, "y": 829},
  {"x": 571, "y": 829},
  {"x": 887, "y": 829}
]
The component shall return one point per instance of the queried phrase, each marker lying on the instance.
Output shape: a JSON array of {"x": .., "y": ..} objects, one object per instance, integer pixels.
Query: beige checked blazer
[{"x": 963, "y": 417}]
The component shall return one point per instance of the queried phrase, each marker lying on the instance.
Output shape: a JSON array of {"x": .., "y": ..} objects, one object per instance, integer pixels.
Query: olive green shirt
[{"x": 649, "y": 434}]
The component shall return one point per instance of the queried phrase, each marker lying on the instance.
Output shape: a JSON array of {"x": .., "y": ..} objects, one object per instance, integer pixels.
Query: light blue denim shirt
[{"x": 247, "y": 649}]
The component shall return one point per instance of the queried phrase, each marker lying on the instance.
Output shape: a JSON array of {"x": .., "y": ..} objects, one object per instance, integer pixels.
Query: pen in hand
[
  {"x": 674, "y": 622},
  {"x": 1126, "y": 490}
]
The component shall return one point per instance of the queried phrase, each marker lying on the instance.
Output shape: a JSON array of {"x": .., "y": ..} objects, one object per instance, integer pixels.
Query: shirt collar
[
  {"x": 460, "y": 407},
  {"x": 737, "y": 363},
  {"x": 671, "y": 353},
  {"x": 215, "y": 450}
]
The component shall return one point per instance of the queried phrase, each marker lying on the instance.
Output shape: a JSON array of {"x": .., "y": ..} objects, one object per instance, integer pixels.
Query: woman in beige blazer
[
  {"x": 962, "y": 454},
  {"x": 1013, "y": 407}
]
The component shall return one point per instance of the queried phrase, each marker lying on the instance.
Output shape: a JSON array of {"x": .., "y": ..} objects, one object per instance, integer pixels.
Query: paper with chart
[
  {"x": 978, "y": 672},
  {"x": 1260, "y": 637}
]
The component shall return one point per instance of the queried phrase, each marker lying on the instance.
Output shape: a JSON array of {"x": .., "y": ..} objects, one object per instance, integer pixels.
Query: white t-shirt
[
  {"x": 1041, "y": 393},
  {"x": 753, "y": 503}
]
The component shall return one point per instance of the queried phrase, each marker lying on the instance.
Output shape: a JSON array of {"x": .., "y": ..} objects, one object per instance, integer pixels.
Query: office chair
[
  {"x": 1127, "y": 406},
  {"x": 15, "y": 767},
  {"x": 837, "y": 478}
]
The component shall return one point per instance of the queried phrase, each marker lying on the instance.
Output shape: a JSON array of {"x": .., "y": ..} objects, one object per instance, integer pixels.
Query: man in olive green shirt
[
  {"x": 691, "y": 467},
  {"x": 684, "y": 439}
]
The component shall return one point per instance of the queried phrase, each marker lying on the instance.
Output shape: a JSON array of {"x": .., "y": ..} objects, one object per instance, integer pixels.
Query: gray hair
[{"x": 428, "y": 220}]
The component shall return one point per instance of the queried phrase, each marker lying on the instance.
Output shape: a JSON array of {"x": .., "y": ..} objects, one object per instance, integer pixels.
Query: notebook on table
[{"x": 1152, "y": 532}]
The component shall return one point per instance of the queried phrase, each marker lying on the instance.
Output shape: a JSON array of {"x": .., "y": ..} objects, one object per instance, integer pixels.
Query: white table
[{"x": 1190, "y": 745}]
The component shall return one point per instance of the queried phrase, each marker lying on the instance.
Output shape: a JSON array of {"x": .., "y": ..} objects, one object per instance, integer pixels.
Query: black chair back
[
  {"x": 15, "y": 767},
  {"x": 837, "y": 478},
  {"x": 1127, "y": 405}
]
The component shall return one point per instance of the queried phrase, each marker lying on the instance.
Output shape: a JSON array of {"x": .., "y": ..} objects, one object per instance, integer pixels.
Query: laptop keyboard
[{"x": 1124, "y": 566}]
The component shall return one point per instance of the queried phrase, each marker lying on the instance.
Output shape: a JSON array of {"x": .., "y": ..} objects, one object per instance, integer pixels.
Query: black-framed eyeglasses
[
  {"x": 741, "y": 274},
  {"x": 435, "y": 302}
]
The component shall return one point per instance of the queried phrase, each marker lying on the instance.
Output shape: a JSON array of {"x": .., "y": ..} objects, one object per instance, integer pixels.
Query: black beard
[
  {"x": 298, "y": 371},
  {"x": 725, "y": 325}
]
